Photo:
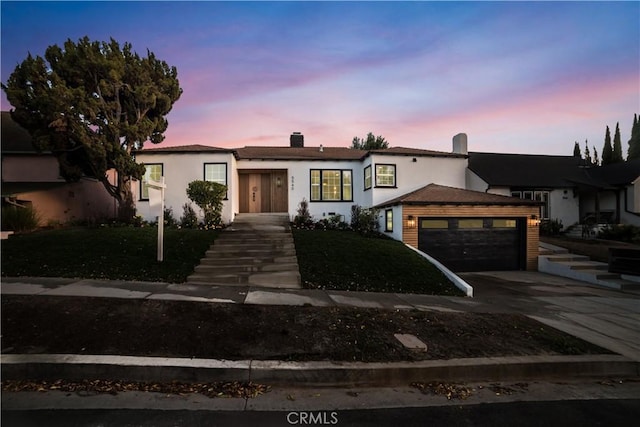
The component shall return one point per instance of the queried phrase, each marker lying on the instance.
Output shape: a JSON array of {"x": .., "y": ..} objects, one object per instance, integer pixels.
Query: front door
[{"x": 263, "y": 191}]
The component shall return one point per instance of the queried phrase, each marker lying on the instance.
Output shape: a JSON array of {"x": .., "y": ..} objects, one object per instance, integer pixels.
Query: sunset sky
[{"x": 519, "y": 77}]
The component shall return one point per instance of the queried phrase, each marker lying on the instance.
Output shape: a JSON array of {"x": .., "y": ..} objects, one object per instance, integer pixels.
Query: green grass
[
  {"x": 105, "y": 253},
  {"x": 346, "y": 260}
]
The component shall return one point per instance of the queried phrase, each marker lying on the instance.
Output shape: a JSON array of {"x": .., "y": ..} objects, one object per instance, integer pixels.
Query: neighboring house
[
  {"x": 617, "y": 198},
  {"x": 569, "y": 190},
  {"x": 333, "y": 179},
  {"x": 32, "y": 178}
]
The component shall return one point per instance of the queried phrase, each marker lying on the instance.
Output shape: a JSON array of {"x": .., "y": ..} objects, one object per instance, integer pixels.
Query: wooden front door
[{"x": 263, "y": 192}]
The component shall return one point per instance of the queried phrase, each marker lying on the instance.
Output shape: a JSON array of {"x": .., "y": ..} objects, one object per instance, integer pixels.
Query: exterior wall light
[
  {"x": 411, "y": 221},
  {"x": 534, "y": 221}
]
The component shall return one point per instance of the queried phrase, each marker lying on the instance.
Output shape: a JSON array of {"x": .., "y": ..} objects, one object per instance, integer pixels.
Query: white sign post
[{"x": 156, "y": 198}]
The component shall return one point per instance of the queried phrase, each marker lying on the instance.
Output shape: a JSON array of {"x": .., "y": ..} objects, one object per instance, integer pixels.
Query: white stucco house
[
  {"x": 569, "y": 190},
  {"x": 422, "y": 194}
]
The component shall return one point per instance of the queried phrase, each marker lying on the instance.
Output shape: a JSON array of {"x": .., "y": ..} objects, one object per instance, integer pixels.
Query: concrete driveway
[{"x": 608, "y": 318}]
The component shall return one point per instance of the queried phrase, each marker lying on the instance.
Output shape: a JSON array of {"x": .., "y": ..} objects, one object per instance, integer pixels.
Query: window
[
  {"x": 539, "y": 196},
  {"x": 470, "y": 223},
  {"x": 216, "y": 172},
  {"x": 388, "y": 222},
  {"x": 385, "y": 175},
  {"x": 331, "y": 185},
  {"x": 504, "y": 223},
  {"x": 434, "y": 223},
  {"x": 367, "y": 177},
  {"x": 153, "y": 172},
  {"x": 543, "y": 196}
]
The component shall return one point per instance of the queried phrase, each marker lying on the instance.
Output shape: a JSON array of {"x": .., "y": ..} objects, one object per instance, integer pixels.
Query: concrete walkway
[{"x": 608, "y": 318}]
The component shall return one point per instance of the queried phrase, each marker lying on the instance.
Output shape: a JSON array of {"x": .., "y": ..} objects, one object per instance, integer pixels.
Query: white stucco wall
[
  {"x": 412, "y": 175},
  {"x": 474, "y": 182},
  {"x": 299, "y": 184},
  {"x": 564, "y": 206},
  {"x": 179, "y": 169}
]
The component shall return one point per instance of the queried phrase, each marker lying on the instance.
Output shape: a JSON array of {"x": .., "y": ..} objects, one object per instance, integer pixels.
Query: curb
[{"x": 317, "y": 374}]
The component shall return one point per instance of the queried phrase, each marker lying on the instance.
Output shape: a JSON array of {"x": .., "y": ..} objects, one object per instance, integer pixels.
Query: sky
[{"x": 516, "y": 77}]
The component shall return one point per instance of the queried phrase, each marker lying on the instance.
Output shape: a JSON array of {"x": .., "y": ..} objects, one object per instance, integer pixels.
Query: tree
[
  {"x": 607, "y": 150},
  {"x": 576, "y": 150},
  {"x": 617, "y": 146},
  {"x": 90, "y": 104},
  {"x": 208, "y": 196},
  {"x": 587, "y": 155},
  {"x": 596, "y": 160},
  {"x": 634, "y": 141},
  {"x": 371, "y": 143}
]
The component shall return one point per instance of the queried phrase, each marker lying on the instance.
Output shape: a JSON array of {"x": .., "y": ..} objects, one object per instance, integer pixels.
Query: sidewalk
[{"x": 606, "y": 318}]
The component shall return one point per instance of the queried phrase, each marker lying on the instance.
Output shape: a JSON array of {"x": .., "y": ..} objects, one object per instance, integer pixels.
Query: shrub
[
  {"x": 18, "y": 218},
  {"x": 208, "y": 196},
  {"x": 363, "y": 220},
  {"x": 551, "y": 227},
  {"x": 623, "y": 233},
  {"x": 303, "y": 217},
  {"x": 169, "y": 219},
  {"x": 189, "y": 219}
]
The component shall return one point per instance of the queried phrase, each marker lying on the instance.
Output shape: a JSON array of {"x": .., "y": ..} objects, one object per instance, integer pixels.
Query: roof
[
  {"x": 194, "y": 148},
  {"x": 403, "y": 151},
  {"x": 15, "y": 138},
  {"x": 622, "y": 173},
  {"x": 541, "y": 171},
  {"x": 300, "y": 153},
  {"x": 434, "y": 194},
  {"x": 526, "y": 170}
]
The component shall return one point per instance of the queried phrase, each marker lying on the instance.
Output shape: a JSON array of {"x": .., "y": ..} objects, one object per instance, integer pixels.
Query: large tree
[
  {"x": 634, "y": 141},
  {"x": 90, "y": 104},
  {"x": 617, "y": 146},
  {"x": 607, "y": 150},
  {"x": 370, "y": 143}
]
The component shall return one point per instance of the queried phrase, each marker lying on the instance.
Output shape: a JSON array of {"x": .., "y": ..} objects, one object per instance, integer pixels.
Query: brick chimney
[
  {"x": 460, "y": 143},
  {"x": 296, "y": 140}
]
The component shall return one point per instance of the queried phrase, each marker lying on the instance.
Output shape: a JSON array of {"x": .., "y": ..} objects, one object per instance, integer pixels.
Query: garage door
[{"x": 474, "y": 244}]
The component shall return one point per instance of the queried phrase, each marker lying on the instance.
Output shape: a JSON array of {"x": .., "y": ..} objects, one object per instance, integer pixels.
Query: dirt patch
[{"x": 74, "y": 325}]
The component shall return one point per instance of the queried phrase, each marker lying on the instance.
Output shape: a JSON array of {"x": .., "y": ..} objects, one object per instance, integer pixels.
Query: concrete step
[
  {"x": 259, "y": 253},
  {"x": 601, "y": 275},
  {"x": 244, "y": 268},
  {"x": 277, "y": 279},
  {"x": 566, "y": 258},
  {"x": 225, "y": 246},
  {"x": 225, "y": 261},
  {"x": 586, "y": 265}
]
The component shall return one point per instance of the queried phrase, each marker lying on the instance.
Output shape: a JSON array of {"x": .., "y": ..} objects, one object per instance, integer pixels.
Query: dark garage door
[{"x": 474, "y": 244}]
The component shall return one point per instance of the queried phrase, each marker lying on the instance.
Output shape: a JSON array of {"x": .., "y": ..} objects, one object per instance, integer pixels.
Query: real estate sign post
[{"x": 156, "y": 198}]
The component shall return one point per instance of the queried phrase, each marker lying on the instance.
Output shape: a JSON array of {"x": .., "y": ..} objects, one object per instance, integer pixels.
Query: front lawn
[
  {"x": 346, "y": 260},
  {"x": 119, "y": 253}
]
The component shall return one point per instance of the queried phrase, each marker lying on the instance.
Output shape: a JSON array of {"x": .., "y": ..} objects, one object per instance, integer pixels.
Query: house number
[{"x": 292, "y": 181}]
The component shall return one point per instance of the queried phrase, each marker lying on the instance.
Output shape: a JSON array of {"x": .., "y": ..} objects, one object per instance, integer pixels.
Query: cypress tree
[
  {"x": 587, "y": 155},
  {"x": 634, "y": 142},
  {"x": 607, "y": 150},
  {"x": 576, "y": 150},
  {"x": 596, "y": 161},
  {"x": 617, "y": 146}
]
